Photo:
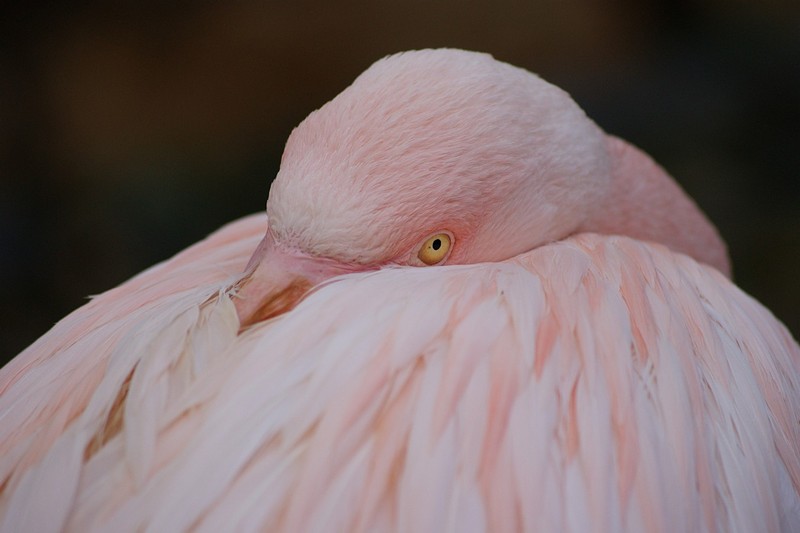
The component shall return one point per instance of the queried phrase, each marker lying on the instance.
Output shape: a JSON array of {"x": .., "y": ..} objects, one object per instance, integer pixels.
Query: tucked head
[
  {"x": 437, "y": 141},
  {"x": 447, "y": 156}
]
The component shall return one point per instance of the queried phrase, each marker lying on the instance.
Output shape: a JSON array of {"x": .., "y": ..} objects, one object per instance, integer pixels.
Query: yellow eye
[{"x": 435, "y": 249}]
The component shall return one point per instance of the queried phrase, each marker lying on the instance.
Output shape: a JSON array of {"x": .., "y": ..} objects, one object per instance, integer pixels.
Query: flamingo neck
[{"x": 646, "y": 203}]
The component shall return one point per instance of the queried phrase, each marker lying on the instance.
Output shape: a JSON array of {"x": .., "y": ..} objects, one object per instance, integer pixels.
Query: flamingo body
[{"x": 595, "y": 383}]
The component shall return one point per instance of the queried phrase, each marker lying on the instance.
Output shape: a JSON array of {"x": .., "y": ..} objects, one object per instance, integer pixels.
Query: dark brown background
[{"x": 127, "y": 133}]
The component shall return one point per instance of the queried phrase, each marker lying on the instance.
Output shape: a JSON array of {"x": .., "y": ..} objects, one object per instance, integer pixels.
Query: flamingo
[{"x": 468, "y": 309}]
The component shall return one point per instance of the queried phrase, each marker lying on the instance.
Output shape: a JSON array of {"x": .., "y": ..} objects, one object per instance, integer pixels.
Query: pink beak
[{"x": 276, "y": 278}]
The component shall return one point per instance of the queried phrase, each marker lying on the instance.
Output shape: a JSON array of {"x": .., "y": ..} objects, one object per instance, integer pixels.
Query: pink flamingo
[{"x": 582, "y": 363}]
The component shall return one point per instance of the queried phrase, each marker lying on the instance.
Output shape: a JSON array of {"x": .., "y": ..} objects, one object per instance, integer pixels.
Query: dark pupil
[{"x": 436, "y": 244}]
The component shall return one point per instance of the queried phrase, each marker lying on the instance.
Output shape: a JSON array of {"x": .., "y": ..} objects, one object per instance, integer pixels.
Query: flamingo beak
[{"x": 276, "y": 279}]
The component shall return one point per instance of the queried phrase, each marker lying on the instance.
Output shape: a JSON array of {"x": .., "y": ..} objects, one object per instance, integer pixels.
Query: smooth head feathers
[
  {"x": 439, "y": 139},
  {"x": 450, "y": 140}
]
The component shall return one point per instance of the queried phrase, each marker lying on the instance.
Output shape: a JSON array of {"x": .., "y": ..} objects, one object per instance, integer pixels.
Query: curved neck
[{"x": 646, "y": 203}]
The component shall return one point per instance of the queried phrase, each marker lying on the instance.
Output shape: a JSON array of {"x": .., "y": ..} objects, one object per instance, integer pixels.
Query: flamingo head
[{"x": 430, "y": 157}]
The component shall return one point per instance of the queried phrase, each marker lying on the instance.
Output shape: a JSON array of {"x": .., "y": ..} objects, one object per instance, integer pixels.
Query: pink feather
[{"x": 593, "y": 382}]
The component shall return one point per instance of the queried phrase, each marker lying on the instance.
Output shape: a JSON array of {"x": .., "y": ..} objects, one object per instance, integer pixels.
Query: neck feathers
[{"x": 646, "y": 203}]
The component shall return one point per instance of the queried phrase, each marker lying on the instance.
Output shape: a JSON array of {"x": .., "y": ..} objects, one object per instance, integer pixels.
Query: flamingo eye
[{"x": 435, "y": 249}]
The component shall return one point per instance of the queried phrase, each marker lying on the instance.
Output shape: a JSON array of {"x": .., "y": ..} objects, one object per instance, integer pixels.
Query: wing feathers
[{"x": 596, "y": 384}]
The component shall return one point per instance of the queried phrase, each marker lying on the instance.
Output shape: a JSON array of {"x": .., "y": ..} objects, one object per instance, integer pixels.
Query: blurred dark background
[{"x": 129, "y": 132}]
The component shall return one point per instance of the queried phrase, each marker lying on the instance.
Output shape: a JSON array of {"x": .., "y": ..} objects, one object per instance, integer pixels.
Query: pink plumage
[{"x": 576, "y": 358}]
